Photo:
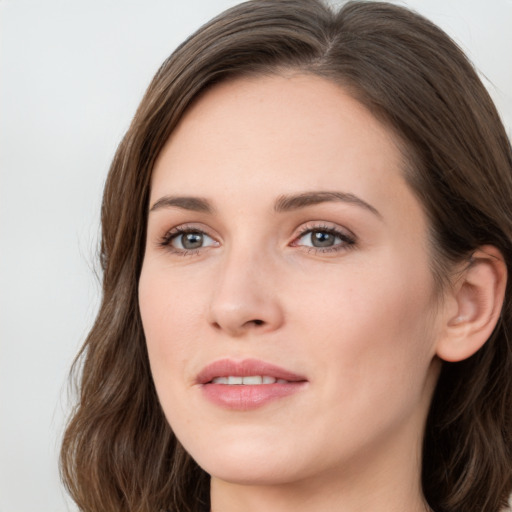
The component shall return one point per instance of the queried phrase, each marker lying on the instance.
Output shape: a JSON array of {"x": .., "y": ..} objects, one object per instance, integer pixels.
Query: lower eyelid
[{"x": 343, "y": 246}]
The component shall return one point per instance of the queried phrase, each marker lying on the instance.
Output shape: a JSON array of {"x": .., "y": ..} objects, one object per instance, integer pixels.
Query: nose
[{"x": 246, "y": 299}]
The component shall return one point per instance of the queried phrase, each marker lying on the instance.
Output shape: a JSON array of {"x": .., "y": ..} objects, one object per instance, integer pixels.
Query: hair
[{"x": 119, "y": 453}]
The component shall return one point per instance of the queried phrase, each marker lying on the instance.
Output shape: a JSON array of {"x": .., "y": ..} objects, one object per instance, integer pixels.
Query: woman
[{"x": 306, "y": 240}]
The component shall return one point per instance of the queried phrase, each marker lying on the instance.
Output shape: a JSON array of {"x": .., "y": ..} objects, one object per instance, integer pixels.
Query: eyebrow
[
  {"x": 287, "y": 203},
  {"x": 196, "y": 204},
  {"x": 284, "y": 203}
]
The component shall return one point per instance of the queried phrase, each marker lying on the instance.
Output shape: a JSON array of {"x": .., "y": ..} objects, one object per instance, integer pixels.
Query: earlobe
[{"x": 476, "y": 300}]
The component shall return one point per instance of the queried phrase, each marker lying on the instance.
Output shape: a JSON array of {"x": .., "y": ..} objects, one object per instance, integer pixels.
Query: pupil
[
  {"x": 322, "y": 239},
  {"x": 192, "y": 240}
]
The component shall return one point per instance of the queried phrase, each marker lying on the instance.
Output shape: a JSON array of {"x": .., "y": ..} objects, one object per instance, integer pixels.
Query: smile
[{"x": 248, "y": 384}]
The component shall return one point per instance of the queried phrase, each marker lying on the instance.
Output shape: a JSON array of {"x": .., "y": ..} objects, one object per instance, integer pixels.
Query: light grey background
[{"x": 72, "y": 73}]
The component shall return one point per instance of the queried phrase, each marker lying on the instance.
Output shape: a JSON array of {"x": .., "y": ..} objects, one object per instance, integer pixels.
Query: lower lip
[{"x": 247, "y": 397}]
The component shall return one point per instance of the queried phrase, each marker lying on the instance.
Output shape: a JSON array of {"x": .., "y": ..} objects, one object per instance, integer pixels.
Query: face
[{"x": 286, "y": 293}]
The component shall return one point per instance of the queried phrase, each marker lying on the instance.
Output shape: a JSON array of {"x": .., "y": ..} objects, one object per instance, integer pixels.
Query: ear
[{"x": 473, "y": 305}]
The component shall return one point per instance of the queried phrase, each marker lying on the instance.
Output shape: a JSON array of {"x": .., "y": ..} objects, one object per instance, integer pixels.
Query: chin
[{"x": 247, "y": 463}]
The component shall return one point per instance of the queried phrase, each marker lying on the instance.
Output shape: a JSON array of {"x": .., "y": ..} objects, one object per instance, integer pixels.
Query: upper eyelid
[
  {"x": 302, "y": 227},
  {"x": 191, "y": 227},
  {"x": 165, "y": 238},
  {"x": 322, "y": 225}
]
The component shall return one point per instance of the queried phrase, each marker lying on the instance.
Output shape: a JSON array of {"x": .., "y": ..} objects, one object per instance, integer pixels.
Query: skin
[{"x": 362, "y": 322}]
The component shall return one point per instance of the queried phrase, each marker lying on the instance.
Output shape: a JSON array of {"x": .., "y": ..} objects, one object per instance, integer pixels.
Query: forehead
[{"x": 295, "y": 131}]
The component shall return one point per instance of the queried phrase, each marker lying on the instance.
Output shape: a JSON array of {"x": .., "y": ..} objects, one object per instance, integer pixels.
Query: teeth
[{"x": 251, "y": 380}]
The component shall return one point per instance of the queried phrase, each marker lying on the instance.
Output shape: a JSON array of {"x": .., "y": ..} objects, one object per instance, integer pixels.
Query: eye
[
  {"x": 324, "y": 239},
  {"x": 182, "y": 240},
  {"x": 320, "y": 239}
]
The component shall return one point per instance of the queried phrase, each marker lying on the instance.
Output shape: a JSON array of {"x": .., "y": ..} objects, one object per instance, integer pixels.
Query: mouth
[
  {"x": 248, "y": 384},
  {"x": 249, "y": 372}
]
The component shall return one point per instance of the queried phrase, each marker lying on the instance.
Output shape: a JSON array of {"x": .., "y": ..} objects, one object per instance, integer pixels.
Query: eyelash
[
  {"x": 176, "y": 232},
  {"x": 348, "y": 241}
]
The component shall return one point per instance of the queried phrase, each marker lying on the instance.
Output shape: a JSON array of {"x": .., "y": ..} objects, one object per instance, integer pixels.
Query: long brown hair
[{"x": 118, "y": 453}]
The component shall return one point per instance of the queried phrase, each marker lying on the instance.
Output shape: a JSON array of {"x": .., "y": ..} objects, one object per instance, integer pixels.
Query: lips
[
  {"x": 248, "y": 384},
  {"x": 245, "y": 368}
]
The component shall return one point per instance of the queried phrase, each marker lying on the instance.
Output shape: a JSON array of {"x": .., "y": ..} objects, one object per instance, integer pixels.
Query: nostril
[{"x": 258, "y": 322}]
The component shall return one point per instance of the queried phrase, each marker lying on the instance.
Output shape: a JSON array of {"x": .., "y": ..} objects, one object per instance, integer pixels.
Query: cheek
[
  {"x": 378, "y": 327},
  {"x": 167, "y": 316},
  {"x": 169, "y": 299}
]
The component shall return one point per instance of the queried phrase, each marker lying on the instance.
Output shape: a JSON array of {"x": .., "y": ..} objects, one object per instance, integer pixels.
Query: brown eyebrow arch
[
  {"x": 294, "y": 202},
  {"x": 197, "y": 204},
  {"x": 283, "y": 203}
]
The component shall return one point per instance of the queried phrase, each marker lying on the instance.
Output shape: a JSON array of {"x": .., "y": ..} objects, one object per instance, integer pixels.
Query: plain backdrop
[{"x": 71, "y": 75}]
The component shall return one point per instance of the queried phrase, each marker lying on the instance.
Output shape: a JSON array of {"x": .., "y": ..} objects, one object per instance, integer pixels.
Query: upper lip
[{"x": 245, "y": 368}]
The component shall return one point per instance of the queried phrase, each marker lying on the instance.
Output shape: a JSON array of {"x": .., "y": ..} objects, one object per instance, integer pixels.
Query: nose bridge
[{"x": 245, "y": 296}]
